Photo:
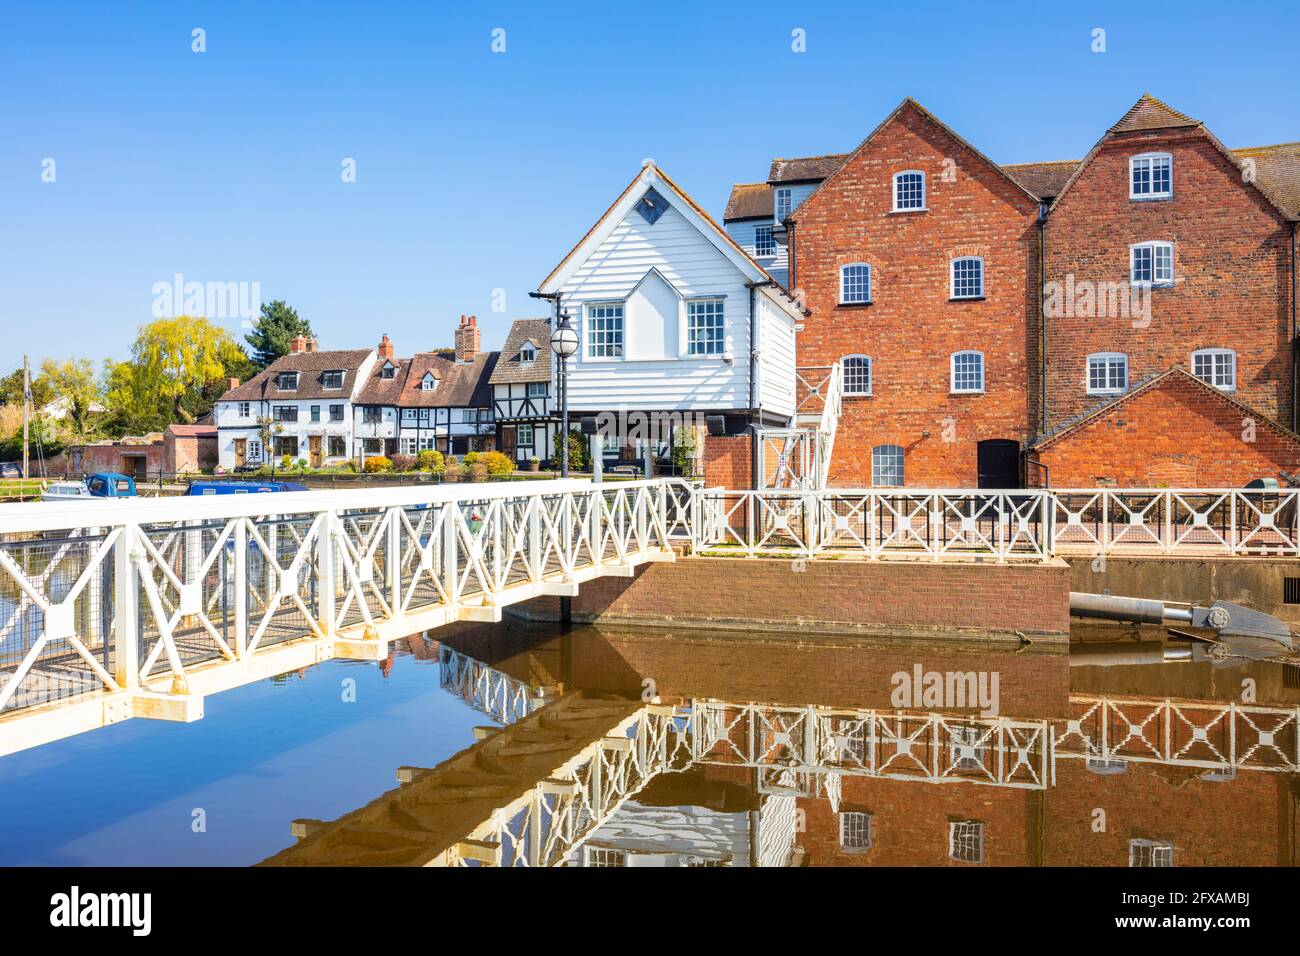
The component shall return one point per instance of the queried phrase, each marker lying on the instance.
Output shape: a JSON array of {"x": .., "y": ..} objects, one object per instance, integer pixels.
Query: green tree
[
  {"x": 273, "y": 332},
  {"x": 11, "y": 389},
  {"x": 75, "y": 381}
]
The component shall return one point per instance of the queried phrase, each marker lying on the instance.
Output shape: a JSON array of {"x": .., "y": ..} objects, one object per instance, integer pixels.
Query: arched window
[
  {"x": 855, "y": 283},
  {"x": 967, "y": 278},
  {"x": 909, "y": 190},
  {"x": 855, "y": 374},
  {"x": 968, "y": 372},
  {"x": 887, "y": 466},
  {"x": 1217, "y": 367},
  {"x": 1107, "y": 373}
]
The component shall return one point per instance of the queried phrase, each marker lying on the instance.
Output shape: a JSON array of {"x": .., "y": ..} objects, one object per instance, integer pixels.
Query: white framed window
[
  {"x": 408, "y": 446},
  {"x": 245, "y": 409},
  {"x": 783, "y": 202},
  {"x": 604, "y": 856},
  {"x": 855, "y": 373},
  {"x": 331, "y": 380},
  {"x": 524, "y": 435},
  {"x": 967, "y": 372},
  {"x": 286, "y": 381},
  {"x": 966, "y": 841},
  {"x": 388, "y": 370},
  {"x": 1217, "y": 367},
  {"x": 1151, "y": 263},
  {"x": 1151, "y": 176},
  {"x": 855, "y": 830},
  {"x": 764, "y": 241},
  {"x": 967, "y": 278},
  {"x": 605, "y": 330},
  {"x": 426, "y": 443},
  {"x": 429, "y": 383},
  {"x": 887, "y": 466},
  {"x": 909, "y": 190},
  {"x": 254, "y": 450},
  {"x": 705, "y": 327},
  {"x": 1107, "y": 373},
  {"x": 537, "y": 389},
  {"x": 855, "y": 283},
  {"x": 527, "y": 353},
  {"x": 1150, "y": 853}
]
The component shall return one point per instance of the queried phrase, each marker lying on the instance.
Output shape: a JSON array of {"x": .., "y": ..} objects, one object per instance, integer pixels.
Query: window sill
[
  {"x": 853, "y": 305},
  {"x": 855, "y": 394},
  {"x": 966, "y": 391},
  {"x": 1163, "y": 197},
  {"x": 904, "y": 212},
  {"x": 1151, "y": 285},
  {"x": 966, "y": 298},
  {"x": 1107, "y": 393}
]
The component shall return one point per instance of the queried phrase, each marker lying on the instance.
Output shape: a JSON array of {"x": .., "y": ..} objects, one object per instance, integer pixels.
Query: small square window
[
  {"x": 1152, "y": 263},
  {"x": 1150, "y": 853},
  {"x": 966, "y": 841},
  {"x": 1107, "y": 373},
  {"x": 331, "y": 380},
  {"x": 245, "y": 409},
  {"x": 1151, "y": 176},
  {"x": 527, "y": 353},
  {"x": 537, "y": 389},
  {"x": 286, "y": 381},
  {"x": 887, "y": 466},
  {"x": 1217, "y": 367},
  {"x": 605, "y": 330}
]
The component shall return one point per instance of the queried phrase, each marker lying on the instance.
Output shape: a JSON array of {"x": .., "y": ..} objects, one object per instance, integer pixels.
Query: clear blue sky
[{"x": 478, "y": 171}]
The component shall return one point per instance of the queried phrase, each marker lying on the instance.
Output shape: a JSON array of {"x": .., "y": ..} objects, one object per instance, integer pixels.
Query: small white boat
[{"x": 67, "y": 491}]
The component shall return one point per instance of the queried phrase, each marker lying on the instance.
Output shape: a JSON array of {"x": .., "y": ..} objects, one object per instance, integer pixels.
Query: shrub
[
  {"x": 430, "y": 460},
  {"x": 498, "y": 464},
  {"x": 478, "y": 470},
  {"x": 286, "y": 461},
  {"x": 577, "y": 453},
  {"x": 470, "y": 458},
  {"x": 376, "y": 464},
  {"x": 453, "y": 469},
  {"x": 403, "y": 462}
]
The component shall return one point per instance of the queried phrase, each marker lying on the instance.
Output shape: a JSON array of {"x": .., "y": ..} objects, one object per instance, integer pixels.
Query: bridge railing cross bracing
[{"x": 110, "y": 610}]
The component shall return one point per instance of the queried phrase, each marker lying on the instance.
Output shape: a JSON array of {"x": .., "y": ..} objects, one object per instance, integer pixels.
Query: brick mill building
[{"x": 998, "y": 325}]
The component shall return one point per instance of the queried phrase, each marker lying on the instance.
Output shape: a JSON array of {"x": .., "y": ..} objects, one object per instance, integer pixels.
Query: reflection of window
[
  {"x": 855, "y": 830},
  {"x": 1150, "y": 853},
  {"x": 855, "y": 283},
  {"x": 764, "y": 242},
  {"x": 887, "y": 466},
  {"x": 856, "y": 372},
  {"x": 1217, "y": 367},
  {"x": 1107, "y": 373},
  {"x": 965, "y": 752},
  {"x": 1151, "y": 176},
  {"x": 909, "y": 190},
  {"x": 705, "y": 326},
  {"x": 604, "y": 856},
  {"x": 966, "y": 841},
  {"x": 605, "y": 330}
]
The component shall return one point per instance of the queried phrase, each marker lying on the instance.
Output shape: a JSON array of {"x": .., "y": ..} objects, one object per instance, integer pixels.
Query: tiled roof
[
  {"x": 749, "y": 201},
  {"x": 460, "y": 384},
  {"x": 309, "y": 366},
  {"x": 1277, "y": 171},
  {"x": 1043, "y": 180},
  {"x": 805, "y": 168},
  {"x": 193, "y": 431},
  {"x": 509, "y": 368},
  {"x": 1149, "y": 113}
]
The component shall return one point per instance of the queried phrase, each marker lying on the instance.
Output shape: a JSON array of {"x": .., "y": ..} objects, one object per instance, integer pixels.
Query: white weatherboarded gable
[{"x": 656, "y": 273}]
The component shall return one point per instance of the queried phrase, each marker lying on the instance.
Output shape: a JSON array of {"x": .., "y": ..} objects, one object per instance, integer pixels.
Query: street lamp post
[{"x": 564, "y": 343}]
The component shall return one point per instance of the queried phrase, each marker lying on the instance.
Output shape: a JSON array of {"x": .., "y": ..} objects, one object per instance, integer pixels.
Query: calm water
[{"x": 294, "y": 748}]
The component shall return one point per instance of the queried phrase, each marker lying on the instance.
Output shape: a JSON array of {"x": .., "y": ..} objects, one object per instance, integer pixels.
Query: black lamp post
[{"x": 564, "y": 343}]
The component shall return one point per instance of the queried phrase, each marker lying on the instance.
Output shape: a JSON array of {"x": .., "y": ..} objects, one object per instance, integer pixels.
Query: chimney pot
[
  {"x": 385, "y": 349},
  {"x": 467, "y": 339},
  {"x": 299, "y": 344}
]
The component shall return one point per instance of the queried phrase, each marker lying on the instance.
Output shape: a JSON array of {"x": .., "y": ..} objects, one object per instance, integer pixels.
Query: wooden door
[
  {"x": 241, "y": 451},
  {"x": 313, "y": 446},
  {"x": 508, "y": 441}
]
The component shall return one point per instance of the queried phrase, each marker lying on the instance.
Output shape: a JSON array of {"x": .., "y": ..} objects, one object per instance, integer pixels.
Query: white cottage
[
  {"x": 299, "y": 407},
  {"x": 674, "y": 317}
]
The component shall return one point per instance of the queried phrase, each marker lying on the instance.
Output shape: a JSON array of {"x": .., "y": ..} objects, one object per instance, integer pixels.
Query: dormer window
[
  {"x": 1151, "y": 176},
  {"x": 527, "y": 353},
  {"x": 389, "y": 370},
  {"x": 287, "y": 381},
  {"x": 783, "y": 203},
  {"x": 909, "y": 190},
  {"x": 429, "y": 382},
  {"x": 331, "y": 380}
]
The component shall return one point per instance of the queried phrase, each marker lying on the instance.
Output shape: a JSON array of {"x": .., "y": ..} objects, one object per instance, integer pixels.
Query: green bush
[
  {"x": 577, "y": 453},
  {"x": 376, "y": 464},
  {"x": 430, "y": 460}
]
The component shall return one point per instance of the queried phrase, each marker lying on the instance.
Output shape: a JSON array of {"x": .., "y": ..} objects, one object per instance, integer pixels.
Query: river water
[{"x": 944, "y": 790}]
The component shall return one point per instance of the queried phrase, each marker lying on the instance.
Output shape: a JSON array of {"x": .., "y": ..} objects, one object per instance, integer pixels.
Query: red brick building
[{"x": 981, "y": 313}]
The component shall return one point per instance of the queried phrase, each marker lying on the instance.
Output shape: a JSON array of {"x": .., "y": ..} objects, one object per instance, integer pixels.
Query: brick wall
[
  {"x": 728, "y": 461},
  {"x": 1176, "y": 433},
  {"x": 912, "y": 327},
  {"x": 1232, "y": 270},
  {"x": 930, "y": 599}
]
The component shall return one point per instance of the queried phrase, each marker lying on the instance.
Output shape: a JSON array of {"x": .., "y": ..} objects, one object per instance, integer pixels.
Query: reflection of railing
[
  {"x": 162, "y": 601},
  {"x": 504, "y": 698},
  {"x": 1019, "y": 524}
]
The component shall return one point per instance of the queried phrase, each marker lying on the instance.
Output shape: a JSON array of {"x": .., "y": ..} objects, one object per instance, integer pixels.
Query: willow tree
[{"x": 175, "y": 358}]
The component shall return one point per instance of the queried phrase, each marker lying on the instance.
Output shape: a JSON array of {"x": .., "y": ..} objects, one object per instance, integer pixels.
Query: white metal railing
[
  {"x": 146, "y": 596},
  {"x": 1022, "y": 524}
]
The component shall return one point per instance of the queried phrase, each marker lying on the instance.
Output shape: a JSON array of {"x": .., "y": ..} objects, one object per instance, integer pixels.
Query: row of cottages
[
  {"x": 430, "y": 401},
  {"x": 1127, "y": 318},
  {"x": 679, "y": 327}
]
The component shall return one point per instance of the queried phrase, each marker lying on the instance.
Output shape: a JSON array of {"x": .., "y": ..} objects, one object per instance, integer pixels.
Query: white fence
[{"x": 1032, "y": 524}]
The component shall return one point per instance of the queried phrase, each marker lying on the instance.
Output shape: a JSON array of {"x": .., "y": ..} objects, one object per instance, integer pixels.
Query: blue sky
[{"x": 477, "y": 170}]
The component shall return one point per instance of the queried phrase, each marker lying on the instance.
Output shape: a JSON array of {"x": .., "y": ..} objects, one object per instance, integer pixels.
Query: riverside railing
[
  {"x": 1025, "y": 524},
  {"x": 148, "y": 596}
]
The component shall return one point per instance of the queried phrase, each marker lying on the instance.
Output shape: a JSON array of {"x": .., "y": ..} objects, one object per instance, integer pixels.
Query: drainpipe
[
  {"x": 1295, "y": 328},
  {"x": 1042, "y": 319},
  {"x": 753, "y": 373}
]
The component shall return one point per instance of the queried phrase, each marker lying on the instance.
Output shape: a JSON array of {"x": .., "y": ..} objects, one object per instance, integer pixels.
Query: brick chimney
[
  {"x": 467, "y": 339},
  {"x": 385, "y": 349},
  {"x": 313, "y": 345},
  {"x": 298, "y": 345},
  {"x": 233, "y": 384}
]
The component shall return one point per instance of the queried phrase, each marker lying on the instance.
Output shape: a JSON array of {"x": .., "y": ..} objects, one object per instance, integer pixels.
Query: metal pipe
[{"x": 1137, "y": 610}]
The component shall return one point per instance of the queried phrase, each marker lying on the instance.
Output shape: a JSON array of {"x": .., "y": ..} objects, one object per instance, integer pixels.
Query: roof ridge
[
  {"x": 1246, "y": 149},
  {"x": 1147, "y": 101}
]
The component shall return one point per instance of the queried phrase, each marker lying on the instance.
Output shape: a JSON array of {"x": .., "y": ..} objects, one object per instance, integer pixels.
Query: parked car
[{"x": 11, "y": 469}]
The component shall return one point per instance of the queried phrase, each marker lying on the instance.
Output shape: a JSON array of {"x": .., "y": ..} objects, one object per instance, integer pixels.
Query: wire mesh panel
[{"x": 282, "y": 579}]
